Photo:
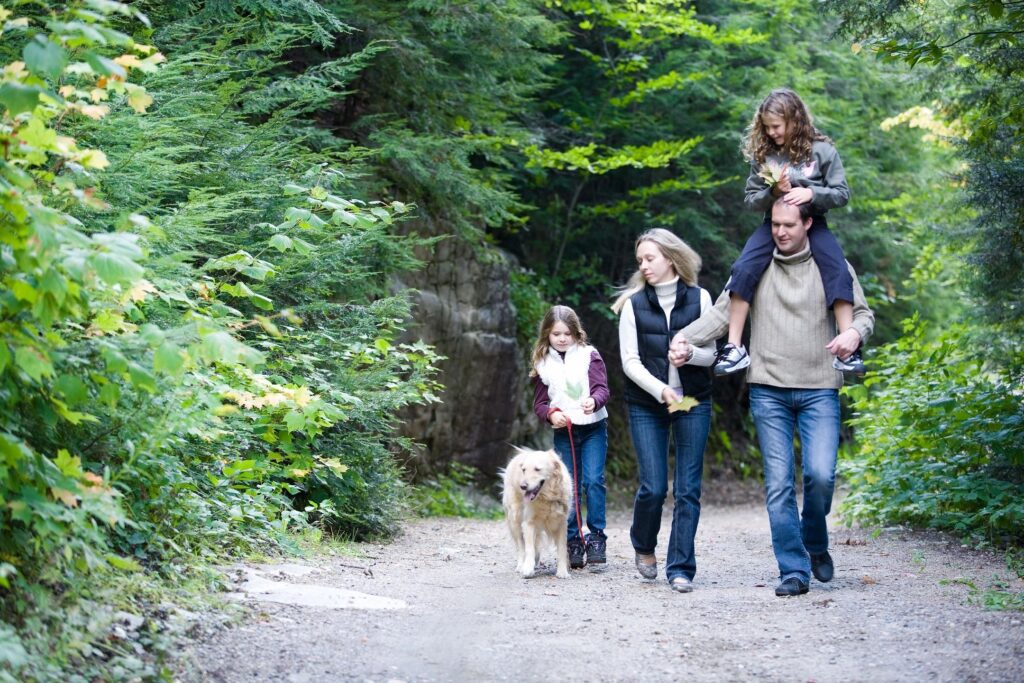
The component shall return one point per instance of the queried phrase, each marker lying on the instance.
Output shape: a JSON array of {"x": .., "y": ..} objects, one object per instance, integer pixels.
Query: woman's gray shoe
[
  {"x": 681, "y": 584},
  {"x": 648, "y": 571}
]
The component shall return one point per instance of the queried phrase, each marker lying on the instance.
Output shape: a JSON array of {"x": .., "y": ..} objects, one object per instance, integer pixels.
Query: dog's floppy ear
[{"x": 556, "y": 466}]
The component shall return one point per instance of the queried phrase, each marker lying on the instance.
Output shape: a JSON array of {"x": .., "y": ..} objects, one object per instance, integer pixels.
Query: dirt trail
[{"x": 894, "y": 612}]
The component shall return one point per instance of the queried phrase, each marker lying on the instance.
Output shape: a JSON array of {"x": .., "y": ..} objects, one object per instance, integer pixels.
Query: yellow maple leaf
[
  {"x": 93, "y": 158},
  {"x": 140, "y": 289},
  {"x": 94, "y": 111},
  {"x": 65, "y": 496},
  {"x": 127, "y": 61},
  {"x": 138, "y": 99},
  {"x": 685, "y": 404}
]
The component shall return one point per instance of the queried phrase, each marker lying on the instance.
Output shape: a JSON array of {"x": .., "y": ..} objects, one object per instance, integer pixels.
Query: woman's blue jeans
[
  {"x": 591, "y": 443},
  {"x": 778, "y": 415},
  {"x": 649, "y": 427}
]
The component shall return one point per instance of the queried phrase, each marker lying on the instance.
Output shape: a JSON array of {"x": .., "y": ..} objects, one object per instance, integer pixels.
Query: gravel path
[{"x": 897, "y": 610}]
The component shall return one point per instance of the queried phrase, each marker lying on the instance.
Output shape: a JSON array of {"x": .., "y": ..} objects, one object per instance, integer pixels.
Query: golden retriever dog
[{"x": 537, "y": 497}]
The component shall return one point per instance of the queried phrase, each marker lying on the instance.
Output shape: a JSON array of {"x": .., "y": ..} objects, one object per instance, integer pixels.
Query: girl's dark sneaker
[
  {"x": 596, "y": 548},
  {"x": 731, "y": 359},
  {"x": 577, "y": 553},
  {"x": 853, "y": 365}
]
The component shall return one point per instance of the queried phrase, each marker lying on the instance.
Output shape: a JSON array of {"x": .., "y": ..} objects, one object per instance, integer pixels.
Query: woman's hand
[
  {"x": 798, "y": 196},
  {"x": 588, "y": 404},
  {"x": 557, "y": 419},
  {"x": 679, "y": 351},
  {"x": 669, "y": 395}
]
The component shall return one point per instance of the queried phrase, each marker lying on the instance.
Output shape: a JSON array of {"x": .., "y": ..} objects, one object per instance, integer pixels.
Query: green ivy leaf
[
  {"x": 72, "y": 388},
  {"x": 574, "y": 390},
  {"x": 43, "y": 57},
  {"x": 115, "y": 269},
  {"x": 18, "y": 98},
  {"x": 110, "y": 394},
  {"x": 142, "y": 378},
  {"x": 281, "y": 242},
  {"x": 168, "y": 359},
  {"x": 294, "y": 421},
  {"x": 123, "y": 563},
  {"x": 262, "y": 302},
  {"x": 33, "y": 362}
]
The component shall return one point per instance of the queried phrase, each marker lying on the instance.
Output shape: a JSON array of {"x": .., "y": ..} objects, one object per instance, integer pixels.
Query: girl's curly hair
[{"x": 800, "y": 130}]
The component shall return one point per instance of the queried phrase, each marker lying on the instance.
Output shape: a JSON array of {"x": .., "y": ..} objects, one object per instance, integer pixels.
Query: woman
[{"x": 660, "y": 299}]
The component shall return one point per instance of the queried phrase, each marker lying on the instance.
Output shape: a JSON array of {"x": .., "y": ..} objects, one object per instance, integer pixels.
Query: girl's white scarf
[{"x": 568, "y": 382}]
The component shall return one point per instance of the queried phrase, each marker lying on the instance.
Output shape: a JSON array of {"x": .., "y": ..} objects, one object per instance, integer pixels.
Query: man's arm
[
  {"x": 842, "y": 345},
  {"x": 712, "y": 323}
]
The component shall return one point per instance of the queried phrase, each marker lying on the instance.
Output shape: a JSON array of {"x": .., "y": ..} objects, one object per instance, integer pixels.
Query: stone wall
[{"x": 462, "y": 307}]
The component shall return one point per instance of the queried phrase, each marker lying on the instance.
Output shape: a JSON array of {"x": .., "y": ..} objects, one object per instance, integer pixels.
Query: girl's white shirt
[
  {"x": 568, "y": 382},
  {"x": 630, "y": 349}
]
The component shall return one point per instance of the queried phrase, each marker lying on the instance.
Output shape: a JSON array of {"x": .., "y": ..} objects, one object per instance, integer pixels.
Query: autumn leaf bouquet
[{"x": 772, "y": 172}]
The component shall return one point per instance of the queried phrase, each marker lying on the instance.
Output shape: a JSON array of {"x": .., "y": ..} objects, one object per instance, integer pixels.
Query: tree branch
[{"x": 981, "y": 33}]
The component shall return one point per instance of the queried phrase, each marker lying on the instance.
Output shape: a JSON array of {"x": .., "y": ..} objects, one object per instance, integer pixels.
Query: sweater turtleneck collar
[
  {"x": 799, "y": 256},
  {"x": 666, "y": 288}
]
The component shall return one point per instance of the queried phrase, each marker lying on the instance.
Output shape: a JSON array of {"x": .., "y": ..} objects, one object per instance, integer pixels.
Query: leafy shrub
[
  {"x": 188, "y": 385},
  {"x": 453, "y": 494},
  {"x": 941, "y": 436}
]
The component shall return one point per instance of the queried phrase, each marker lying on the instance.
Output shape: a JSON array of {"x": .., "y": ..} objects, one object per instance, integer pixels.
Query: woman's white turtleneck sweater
[{"x": 630, "y": 348}]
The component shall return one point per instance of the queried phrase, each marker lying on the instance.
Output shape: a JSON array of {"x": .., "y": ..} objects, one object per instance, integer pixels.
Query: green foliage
[
  {"x": 969, "y": 57},
  {"x": 452, "y": 494},
  {"x": 193, "y": 382},
  {"x": 530, "y": 308},
  {"x": 941, "y": 438}
]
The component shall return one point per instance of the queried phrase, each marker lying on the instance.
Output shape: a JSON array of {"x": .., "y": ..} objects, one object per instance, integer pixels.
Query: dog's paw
[{"x": 562, "y": 574}]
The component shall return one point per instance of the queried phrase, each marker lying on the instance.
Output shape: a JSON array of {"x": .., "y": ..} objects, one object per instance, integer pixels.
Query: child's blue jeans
[
  {"x": 591, "y": 444},
  {"x": 825, "y": 249}
]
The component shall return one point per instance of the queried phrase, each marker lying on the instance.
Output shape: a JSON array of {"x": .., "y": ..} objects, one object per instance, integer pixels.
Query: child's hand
[
  {"x": 798, "y": 196},
  {"x": 557, "y": 419},
  {"x": 588, "y": 404},
  {"x": 784, "y": 183}
]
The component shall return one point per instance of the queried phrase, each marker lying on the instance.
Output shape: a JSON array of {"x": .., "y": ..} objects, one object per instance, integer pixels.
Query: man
[{"x": 793, "y": 387}]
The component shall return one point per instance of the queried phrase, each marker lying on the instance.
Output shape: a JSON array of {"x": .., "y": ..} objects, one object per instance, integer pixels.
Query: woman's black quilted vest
[{"x": 653, "y": 338}]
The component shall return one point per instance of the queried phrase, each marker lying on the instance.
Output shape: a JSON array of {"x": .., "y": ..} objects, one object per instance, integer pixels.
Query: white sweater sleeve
[
  {"x": 704, "y": 355},
  {"x": 630, "y": 351}
]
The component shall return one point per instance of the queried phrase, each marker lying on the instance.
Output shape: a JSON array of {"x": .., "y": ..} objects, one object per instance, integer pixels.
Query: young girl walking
[
  {"x": 570, "y": 390},
  {"x": 792, "y": 159}
]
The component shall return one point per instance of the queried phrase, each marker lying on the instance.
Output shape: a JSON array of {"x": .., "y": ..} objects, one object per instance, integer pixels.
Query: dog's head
[{"x": 535, "y": 469}]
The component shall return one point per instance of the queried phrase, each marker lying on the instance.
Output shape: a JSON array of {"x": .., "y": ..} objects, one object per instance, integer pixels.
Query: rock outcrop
[{"x": 462, "y": 307}]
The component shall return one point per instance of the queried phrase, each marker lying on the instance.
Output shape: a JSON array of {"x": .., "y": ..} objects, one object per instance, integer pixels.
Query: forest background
[{"x": 230, "y": 232}]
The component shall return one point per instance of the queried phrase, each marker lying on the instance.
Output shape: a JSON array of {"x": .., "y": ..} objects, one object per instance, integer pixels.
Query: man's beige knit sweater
[{"x": 789, "y": 325}]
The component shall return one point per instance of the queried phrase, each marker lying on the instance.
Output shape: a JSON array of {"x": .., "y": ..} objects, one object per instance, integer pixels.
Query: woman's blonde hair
[
  {"x": 800, "y": 130},
  {"x": 555, "y": 314},
  {"x": 685, "y": 261}
]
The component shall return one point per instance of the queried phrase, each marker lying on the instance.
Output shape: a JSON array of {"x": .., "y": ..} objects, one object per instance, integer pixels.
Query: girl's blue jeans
[
  {"x": 591, "y": 444},
  {"x": 650, "y": 427}
]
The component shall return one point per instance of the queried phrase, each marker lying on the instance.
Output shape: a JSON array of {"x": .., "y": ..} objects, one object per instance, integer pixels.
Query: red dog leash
[{"x": 575, "y": 481}]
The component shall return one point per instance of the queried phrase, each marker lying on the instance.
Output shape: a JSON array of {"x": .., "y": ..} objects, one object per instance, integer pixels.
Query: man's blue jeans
[
  {"x": 650, "y": 427},
  {"x": 591, "y": 443},
  {"x": 813, "y": 414}
]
